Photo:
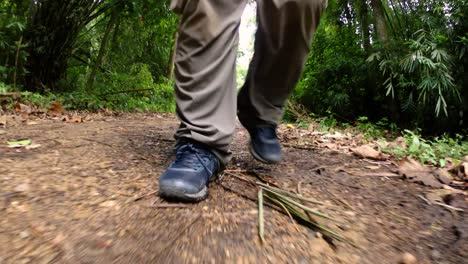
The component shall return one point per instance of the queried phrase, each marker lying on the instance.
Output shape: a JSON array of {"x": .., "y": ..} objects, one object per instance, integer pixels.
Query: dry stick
[
  {"x": 272, "y": 206},
  {"x": 261, "y": 227},
  {"x": 290, "y": 194},
  {"x": 164, "y": 206},
  {"x": 262, "y": 179},
  {"x": 346, "y": 204},
  {"x": 299, "y": 147},
  {"x": 145, "y": 195},
  {"x": 289, "y": 214},
  {"x": 449, "y": 207},
  {"x": 425, "y": 200},
  {"x": 301, "y": 206},
  {"x": 171, "y": 243},
  {"x": 242, "y": 178},
  {"x": 299, "y": 189}
]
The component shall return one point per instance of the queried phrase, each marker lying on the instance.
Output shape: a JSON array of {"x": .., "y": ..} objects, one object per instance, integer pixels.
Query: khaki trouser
[{"x": 205, "y": 65}]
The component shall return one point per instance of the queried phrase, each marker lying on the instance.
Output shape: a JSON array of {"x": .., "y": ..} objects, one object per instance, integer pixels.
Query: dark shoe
[
  {"x": 188, "y": 176},
  {"x": 264, "y": 143}
]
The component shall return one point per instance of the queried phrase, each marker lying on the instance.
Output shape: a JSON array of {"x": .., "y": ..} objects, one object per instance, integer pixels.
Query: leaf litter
[{"x": 135, "y": 220}]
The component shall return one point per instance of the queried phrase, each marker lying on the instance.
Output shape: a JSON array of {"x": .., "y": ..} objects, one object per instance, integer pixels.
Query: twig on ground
[
  {"x": 262, "y": 179},
  {"x": 290, "y": 216},
  {"x": 251, "y": 182},
  {"x": 261, "y": 227},
  {"x": 299, "y": 189},
  {"x": 299, "y": 147},
  {"x": 145, "y": 195},
  {"x": 449, "y": 207},
  {"x": 168, "y": 205},
  {"x": 99, "y": 142},
  {"x": 346, "y": 204},
  {"x": 425, "y": 200},
  {"x": 290, "y": 194}
]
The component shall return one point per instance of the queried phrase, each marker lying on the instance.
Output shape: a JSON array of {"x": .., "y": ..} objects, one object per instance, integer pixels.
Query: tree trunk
[
  {"x": 51, "y": 33},
  {"x": 364, "y": 19},
  {"x": 170, "y": 68},
  {"x": 102, "y": 51},
  {"x": 379, "y": 21}
]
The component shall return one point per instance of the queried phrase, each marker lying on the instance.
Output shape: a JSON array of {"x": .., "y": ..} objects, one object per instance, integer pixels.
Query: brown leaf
[
  {"x": 22, "y": 188},
  {"x": 76, "y": 119},
  {"x": 460, "y": 170},
  {"x": 55, "y": 109},
  {"x": 366, "y": 151},
  {"x": 443, "y": 176},
  {"x": 3, "y": 121},
  {"x": 23, "y": 109},
  {"x": 465, "y": 168},
  {"x": 438, "y": 195},
  {"x": 415, "y": 172}
]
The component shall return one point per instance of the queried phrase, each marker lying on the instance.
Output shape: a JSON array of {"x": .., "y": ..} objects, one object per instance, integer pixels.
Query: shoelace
[{"x": 190, "y": 155}]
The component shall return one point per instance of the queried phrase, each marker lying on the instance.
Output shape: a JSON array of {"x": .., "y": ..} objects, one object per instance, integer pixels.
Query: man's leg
[
  {"x": 205, "y": 94},
  {"x": 284, "y": 35}
]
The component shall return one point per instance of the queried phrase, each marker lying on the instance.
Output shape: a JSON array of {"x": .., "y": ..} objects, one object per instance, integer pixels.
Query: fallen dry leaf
[
  {"x": 55, "y": 109},
  {"x": 22, "y": 188},
  {"x": 33, "y": 146},
  {"x": 366, "y": 151},
  {"x": 438, "y": 195},
  {"x": 415, "y": 172},
  {"x": 443, "y": 176},
  {"x": 460, "y": 170},
  {"x": 3, "y": 121},
  {"x": 23, "y": 109},
  {"x": 75, "y": 119}
]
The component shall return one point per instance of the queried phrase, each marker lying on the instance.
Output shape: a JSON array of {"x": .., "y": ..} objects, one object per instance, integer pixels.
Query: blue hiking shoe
[
  {"x": 188, "y": 176},
  {"x": 264, "y": 144}
]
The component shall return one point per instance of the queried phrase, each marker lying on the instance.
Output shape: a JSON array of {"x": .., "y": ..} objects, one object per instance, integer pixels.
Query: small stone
[
  {"x": 22, "y": 188},
  {"x": 108, "y": 204},
  {"x": 435, "y": 254},
  {"x": 350, "y": 213},
  {"x": 24, "y": 234},
  {"x": 58, "y": 239},
  {"x": 318, "y": 235},
  {"x": 408, "y": 258}
]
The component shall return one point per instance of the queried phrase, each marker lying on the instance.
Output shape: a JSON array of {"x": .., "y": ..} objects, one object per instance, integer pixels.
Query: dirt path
[{"x": 86, "y": 195}]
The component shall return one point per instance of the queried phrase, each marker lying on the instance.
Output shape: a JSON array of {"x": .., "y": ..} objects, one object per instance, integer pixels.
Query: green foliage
[
  {"x": 434, "y": 152},
  {"x": 413, "y": 72},
  {"x": 12, "y": 54},
  {"x": 423, "y": 72},
  {"x": 334, "y": 74}
]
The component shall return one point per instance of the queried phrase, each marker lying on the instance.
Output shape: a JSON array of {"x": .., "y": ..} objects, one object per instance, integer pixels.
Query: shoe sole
[
  {"x": 173, "y": 193},
  {"x": 258, "y": 157}
]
